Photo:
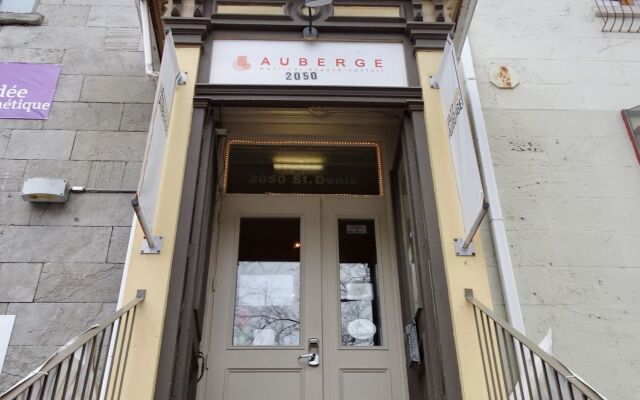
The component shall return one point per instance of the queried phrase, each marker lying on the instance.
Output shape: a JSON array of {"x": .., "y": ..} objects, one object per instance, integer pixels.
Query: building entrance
[{"x": 306, "y": 303}]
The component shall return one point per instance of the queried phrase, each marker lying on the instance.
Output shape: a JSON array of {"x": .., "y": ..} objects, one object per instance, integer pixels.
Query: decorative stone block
[
  {"x": 106, "y": 174},
  {"x": 119, "y": 244},
  {"x": 84, "y": 116},
  {"x": 20, "y": 361},
  {"x": 96, "y": 62},
  {"x": 125, "y": 89},
  {"x": 105, "y": 145},
  {"x": 79, "y": 282},
  {"x": 136, "y": 117},
  {"x": 8, "y": 18},
  {"x": 5, "y": 135},
  {"x": 113, "y": 16},
  {"x": 122, "y": 39},
  {"x": 11, "y": 174},
  {"x": 69, "y": 88},
  {"x": 64, "y": 15},
  {"x": 40, "y": 144},
  {"x": 18, "y": 282},
  {"x": 131, "y": 175},
  {"x": 39, "y": 56},
  {"x": 86, "y": 209},
  {"x": 53, "y": 324},
  {"x": 52, "y": 37},
  {"x": 75, "y": 172},
  {"x": 54, "y": 243},
  {"x": 14, "y": 210}
]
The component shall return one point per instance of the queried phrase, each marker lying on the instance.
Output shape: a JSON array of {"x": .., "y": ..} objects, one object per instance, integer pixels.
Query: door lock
[{"x": 313, "y": 356}]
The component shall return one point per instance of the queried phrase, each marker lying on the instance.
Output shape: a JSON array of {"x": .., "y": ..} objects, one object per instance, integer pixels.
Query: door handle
[
  {"x": 313, "y": 359},
  {"x": 313, "y": 356}
]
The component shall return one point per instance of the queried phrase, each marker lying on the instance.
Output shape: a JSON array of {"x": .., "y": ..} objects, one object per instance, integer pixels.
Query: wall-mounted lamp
[
  {"x": 631, "y": 119},
  {"x": 309, "y": 32},
  {"x": 56, "y": 190}
]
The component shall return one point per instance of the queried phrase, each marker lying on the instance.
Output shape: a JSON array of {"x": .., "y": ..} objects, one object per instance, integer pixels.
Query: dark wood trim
[
  {"x": 423, "y": 35},
  {"x": 156, "y": 11},
  {"x": 438, "y": 334},
  {"x": 188, "y": 31},
  {"x": 428, "y": 37},
  {"x": 308, "y": 96},
  {"x": 415, "y": 378},
  {"x": 178, "y": 364}
]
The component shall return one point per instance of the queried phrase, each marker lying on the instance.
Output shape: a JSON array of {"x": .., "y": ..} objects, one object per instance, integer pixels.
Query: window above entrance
[{"x": 299, "y": 167}]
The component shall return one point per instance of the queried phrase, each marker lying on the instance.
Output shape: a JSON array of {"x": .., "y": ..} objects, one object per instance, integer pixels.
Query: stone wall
[
  {"x": 568, "y": 178},
  {"x": 61, "y": 264}
]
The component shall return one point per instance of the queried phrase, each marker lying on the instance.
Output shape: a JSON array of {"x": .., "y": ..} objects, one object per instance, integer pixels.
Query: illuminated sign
[
  {"x": 261, "y": 62},
  {"x": 329, "y": 168}
]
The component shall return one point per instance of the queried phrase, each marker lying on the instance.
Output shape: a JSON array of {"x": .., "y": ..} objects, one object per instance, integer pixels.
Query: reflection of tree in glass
[
  {"x": 267, "y": 304},
  {"x": 353, "y": 273},
  {"x": 354, "y": 309}
]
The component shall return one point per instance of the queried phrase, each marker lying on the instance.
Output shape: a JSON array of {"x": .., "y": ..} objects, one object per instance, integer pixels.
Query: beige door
[{"x": 305, "y": 276}]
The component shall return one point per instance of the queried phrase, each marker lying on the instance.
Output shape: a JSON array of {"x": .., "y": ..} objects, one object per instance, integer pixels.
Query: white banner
[
  {"x": 465, "y": 163},
  {"x": 262, "y": 62},
  {"x": 157, "y": 138}
]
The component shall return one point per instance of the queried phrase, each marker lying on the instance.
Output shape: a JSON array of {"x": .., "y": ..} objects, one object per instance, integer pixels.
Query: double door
[{"x": 305, "y": 303}]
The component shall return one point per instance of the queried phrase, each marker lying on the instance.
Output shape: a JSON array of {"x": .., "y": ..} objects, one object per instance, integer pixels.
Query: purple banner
[{"x": 26, "y": 90}]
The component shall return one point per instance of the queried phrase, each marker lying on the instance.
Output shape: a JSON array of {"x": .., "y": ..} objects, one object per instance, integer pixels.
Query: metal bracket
[
  {"x": 146, "y": 248},
  {"x": 150, "y": 244},
  {"x": 182, "y": 77},
  {"x": 433, "y": 82},
  {"x": 469, "y": 251}
]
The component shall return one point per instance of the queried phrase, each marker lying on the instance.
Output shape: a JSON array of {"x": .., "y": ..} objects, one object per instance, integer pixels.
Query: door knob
[{"x": 313, "y": 359}]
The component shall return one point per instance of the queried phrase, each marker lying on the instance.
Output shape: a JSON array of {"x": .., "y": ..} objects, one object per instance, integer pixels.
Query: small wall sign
[
  {"x": 361, "y": 329},
  {"x": 317, "y": 63},
  {"x": 26, "y": 90}
]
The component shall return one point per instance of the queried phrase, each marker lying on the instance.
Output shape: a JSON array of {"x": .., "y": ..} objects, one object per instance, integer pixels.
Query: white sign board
[
  {"x": 6, "y": 326},
  {"x": 465, "y": 163},
  {"x": 262, "y": 62},
  {"x": 158, "y": 130}
]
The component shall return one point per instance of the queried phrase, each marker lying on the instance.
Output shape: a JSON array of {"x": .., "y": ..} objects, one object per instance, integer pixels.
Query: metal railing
[
  {"x": 619, "y": 15},
  {"x": 515, "y": 368},
  {"x": 91, "y": 366}
]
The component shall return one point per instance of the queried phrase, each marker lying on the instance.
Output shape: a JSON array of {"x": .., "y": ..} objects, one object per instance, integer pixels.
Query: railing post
[
  {"x": 550, "y": 368},
  {"x": 46, "y": 382}
]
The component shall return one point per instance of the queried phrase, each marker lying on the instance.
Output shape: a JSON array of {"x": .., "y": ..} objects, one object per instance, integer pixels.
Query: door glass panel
[
  {"x": 406, "y": 216},
  {"x": 359, "y": 302},
  {"x": 267, "y": 308}
]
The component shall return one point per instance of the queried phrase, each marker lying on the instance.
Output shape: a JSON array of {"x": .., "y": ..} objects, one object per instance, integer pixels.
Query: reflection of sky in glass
[
  {"x": 267, "y": 304},
  {"x": 407, "y": 237}
]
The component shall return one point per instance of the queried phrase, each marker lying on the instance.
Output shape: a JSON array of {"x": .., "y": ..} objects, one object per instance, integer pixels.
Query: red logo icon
[{"x": 241, "y": 64}]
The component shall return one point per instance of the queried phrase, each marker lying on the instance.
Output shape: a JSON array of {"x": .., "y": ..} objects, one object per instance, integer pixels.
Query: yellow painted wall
[
  {"x": 250, "y": 9},
  {"x": 152, "y": 272},
  {"x": 364, "y": 11},
  {"x": 462, "y": 272}
]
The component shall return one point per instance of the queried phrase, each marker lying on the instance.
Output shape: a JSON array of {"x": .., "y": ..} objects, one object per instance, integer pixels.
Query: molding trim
[
  {"x": 423, "y": 35},
  {"x": 429, "y": 36},
  {"x": 403, "y": 98},
  {"x": 188, "y": 31}
]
